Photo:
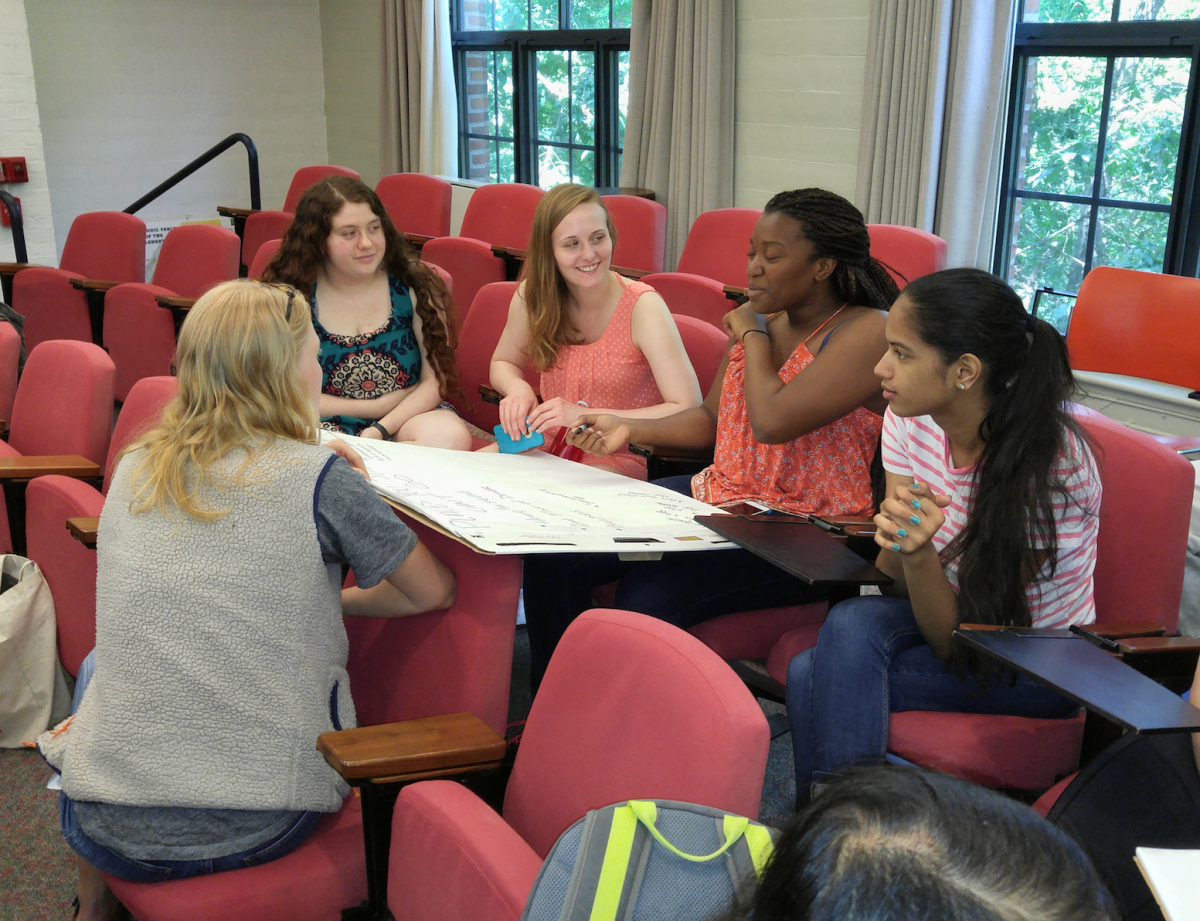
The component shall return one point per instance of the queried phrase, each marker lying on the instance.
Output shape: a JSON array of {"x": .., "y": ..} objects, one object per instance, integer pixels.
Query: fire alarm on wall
[{"x": 12, "y": 169}]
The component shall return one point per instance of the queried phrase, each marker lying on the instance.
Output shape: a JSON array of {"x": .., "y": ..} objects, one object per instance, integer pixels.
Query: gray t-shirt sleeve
[{"x": 357, "y": 528}]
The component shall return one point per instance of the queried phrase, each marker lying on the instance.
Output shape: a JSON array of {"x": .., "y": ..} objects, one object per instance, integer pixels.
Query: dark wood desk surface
[
  {"x": 1087, "y": 675},
  {"x": 798, "y": 548}
]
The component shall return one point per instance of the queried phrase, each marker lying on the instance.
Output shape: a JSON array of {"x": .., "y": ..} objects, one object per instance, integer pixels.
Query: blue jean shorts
[{"x": 116, "y": 864}]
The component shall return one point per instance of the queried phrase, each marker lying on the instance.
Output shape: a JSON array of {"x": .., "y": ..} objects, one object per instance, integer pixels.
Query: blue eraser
[{"x": 520, "y": 445}]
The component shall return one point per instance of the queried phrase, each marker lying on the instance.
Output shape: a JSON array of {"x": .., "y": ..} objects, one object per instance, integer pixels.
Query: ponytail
[{"x": 1010, "y": 532}]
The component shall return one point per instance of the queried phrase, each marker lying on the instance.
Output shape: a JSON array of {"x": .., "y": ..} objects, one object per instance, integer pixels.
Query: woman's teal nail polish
[
  {"x": 896, "y": 547},
  {"x": 900, "y": 532},
  {"x": 914, "y": 519},
  {"x": 916, "y": 503},
  {"x": 914, "y": 485}
]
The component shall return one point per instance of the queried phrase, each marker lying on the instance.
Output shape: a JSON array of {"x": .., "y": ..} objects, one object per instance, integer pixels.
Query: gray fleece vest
[{"x": 220, "y": 650}]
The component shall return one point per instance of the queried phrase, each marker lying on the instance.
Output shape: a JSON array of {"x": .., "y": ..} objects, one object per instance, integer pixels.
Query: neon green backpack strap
[
  {"x": 615, "y": 866},
  {"x": 758, "y": 839}
]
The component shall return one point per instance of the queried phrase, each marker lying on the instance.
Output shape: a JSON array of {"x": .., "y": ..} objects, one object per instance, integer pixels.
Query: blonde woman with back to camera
[{"x": 220, "y": 651}]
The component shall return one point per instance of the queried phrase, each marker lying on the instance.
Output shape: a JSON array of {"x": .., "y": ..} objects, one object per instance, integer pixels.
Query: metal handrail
[
  {"x": 211, "y": 154},
  {"x": 20, "y": 253}
]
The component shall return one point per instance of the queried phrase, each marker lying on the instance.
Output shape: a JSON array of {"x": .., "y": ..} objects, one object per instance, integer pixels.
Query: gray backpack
[{"x": 650, "y": 859}]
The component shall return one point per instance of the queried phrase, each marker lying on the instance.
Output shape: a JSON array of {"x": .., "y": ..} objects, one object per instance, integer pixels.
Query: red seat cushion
[{"x": 997, "y": 751}]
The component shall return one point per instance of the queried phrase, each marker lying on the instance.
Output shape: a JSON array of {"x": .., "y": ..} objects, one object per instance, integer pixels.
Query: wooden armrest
[
  {"x": 630, "y": 273},
  {"x": 26, "y": 468},
  {"x": 93, "y": 284},
  {"x": 12, "y": 268},
  {"x": 418, "y": 239},
  {"x": 413, "y": 749},
  {"x": 492, "y": 395},
  {"x": 230, "y": 211},
  {"x": 175, "y": 303},
  {"x": 1158, "y": 644},
  {"x": 510, "y": 251},
  {"x": 1119, "y": 630},
  {"x": 84, "y": 530},
  {"x": 736, "y": 294},
  {"x": 672, "y": 454}
]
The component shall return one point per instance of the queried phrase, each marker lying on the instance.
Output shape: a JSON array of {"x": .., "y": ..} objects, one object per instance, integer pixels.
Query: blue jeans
[
  {"x": 116, "y": 864},
  {"x": 871, "y": 661}
]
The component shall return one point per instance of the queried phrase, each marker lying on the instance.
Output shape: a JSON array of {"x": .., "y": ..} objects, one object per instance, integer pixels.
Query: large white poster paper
[{"x": 535, "y": 502}]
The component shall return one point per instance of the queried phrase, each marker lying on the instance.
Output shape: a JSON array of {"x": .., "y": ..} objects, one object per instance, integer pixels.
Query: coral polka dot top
[
  {"x": 609, "y": 373},
  {"x": 824, "y": 472}
]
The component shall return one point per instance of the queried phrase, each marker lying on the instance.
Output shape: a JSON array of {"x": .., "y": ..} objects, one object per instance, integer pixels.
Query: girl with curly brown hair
[{"x": 383, "y": 319}]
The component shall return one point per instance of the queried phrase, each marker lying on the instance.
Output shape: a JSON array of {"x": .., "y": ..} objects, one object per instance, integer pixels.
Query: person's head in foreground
[{"x": 906, "y": 844}]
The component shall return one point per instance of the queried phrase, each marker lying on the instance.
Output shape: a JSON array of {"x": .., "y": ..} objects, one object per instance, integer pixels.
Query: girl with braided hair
[
  {"x": 383, "y": 319},
  {"x": 794, "y": 414}
]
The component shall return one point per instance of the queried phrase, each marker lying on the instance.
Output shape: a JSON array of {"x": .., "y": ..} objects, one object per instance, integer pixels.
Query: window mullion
[
  {"x": 1182, "y": 256},
  {"x": 1097, "y": 179}
]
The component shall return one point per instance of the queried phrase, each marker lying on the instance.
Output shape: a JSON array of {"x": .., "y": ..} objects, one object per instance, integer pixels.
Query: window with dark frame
[
  {"x": 1102, "y": 143},
  {"x": 542, "y": 89}
]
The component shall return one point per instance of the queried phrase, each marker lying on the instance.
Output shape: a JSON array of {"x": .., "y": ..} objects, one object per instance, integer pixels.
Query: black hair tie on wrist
[
  {"x": 747, "y": 332},
  {"x": 387, "y": 436}
]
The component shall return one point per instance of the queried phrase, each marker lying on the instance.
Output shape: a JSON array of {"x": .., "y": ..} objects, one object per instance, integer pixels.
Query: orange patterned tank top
[{"x": 825, "y": 472}]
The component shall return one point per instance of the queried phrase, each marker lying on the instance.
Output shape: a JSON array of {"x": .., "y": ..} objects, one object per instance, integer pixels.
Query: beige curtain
[
  {"x": 932, "y": 135},
  {"x": 680, "y": 123},
  {"x": 421, "y": 121}
]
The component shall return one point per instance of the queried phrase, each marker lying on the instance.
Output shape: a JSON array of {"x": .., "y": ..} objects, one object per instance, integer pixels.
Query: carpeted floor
[{"x": 37, "y": 876}]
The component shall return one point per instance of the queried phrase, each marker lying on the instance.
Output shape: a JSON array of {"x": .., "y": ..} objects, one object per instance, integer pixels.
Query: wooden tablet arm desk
[
  {"x": 15, "y": 474},
  {"x": 379, "y": 760}
]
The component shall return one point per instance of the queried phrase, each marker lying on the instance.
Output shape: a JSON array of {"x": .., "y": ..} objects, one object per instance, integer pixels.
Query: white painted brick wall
[
  {"x": 131, "y": 90},
  {"x": 799, "y": 96},
  {"x": 21, "y": 136}
]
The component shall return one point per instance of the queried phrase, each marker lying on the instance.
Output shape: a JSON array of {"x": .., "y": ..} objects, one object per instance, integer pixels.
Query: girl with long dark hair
[
  {"x": 384, "y": 320},
  {"x": 990, "y": 517}
]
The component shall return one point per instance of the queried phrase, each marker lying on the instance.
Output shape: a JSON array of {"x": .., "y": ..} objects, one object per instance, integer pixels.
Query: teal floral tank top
[{"x": 368, "y": 366}]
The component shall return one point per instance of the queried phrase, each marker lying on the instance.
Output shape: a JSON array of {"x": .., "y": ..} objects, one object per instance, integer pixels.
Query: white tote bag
[{"x": 33, "y": 691}]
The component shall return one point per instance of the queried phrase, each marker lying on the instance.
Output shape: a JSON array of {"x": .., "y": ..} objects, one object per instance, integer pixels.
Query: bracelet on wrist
[
  {"x": 387, "y": 436},
  {"x": 749, "y": 331}
]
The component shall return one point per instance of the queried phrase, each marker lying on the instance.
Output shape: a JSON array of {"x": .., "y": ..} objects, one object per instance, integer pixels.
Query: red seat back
[
  {"x": 717, "y": 243},
  {"x": 308, "y": 176},
  {"x": 1137, "y": 323},
  {"x": 906, "y": 252},
  {"x": 501, "y": 214},
  {"x": 692, "y": 295},
  {"x": 106, "y": 244},
  {"x": 632, "y": 707},
  {"x": 469, "y": 262},
  {"x": 262, "y": 226},
  {"x": 416, "y": 203},
  {"x": 10, "y": 357},
  {"x": 453, "y": 661},
  {"x": 194, "y": 257},
  {"x": 140, "y": 412},
  {"x": 705, "y": 346},
  {"x": 1144, "y": 530},
  {"x": 64, "y": 401},
  {"x": 263, "y": 258},
  {"x": 641, "y": 226},
  {"x": 476, "y": 342}
]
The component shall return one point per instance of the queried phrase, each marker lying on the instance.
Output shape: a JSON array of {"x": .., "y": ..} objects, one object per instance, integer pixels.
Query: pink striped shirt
[{"x": 917, "y": 447}]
